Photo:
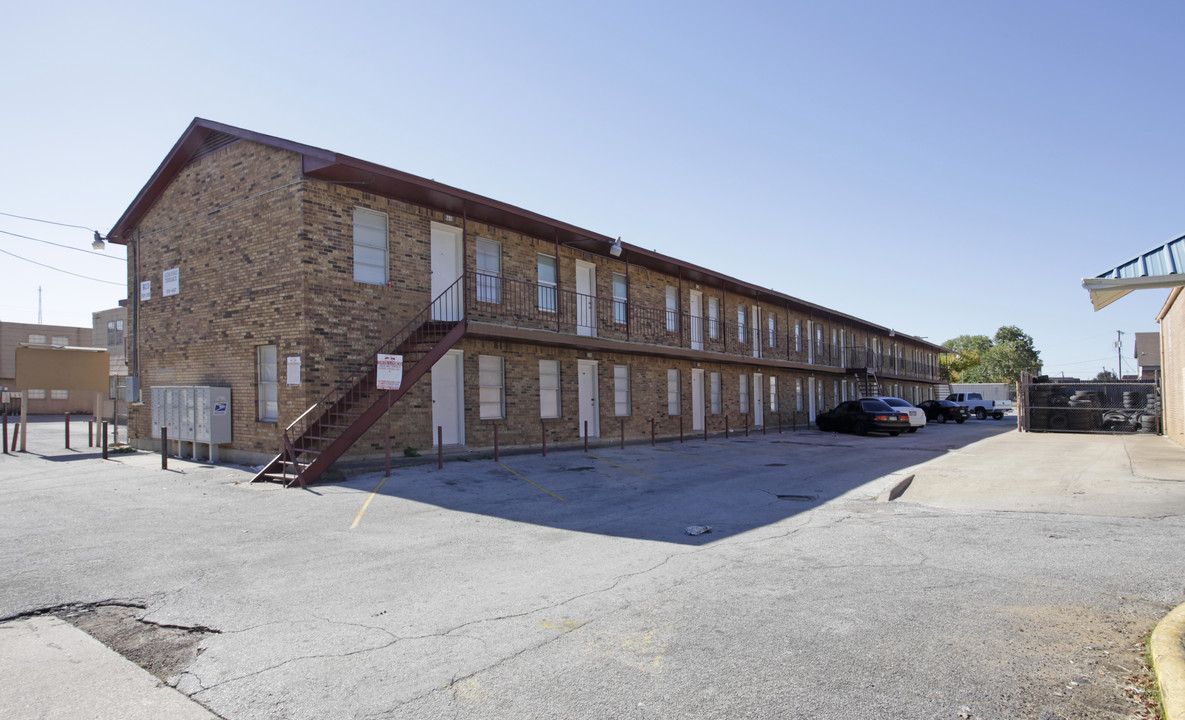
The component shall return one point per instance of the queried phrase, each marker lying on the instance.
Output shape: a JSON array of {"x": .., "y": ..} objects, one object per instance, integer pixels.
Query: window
[
  {"x": 798, "y": 337},
  {"x": 819, "y": 340},
  {"x": 620, "y": 289},
  {"x": 673, "y": 395},
  {"x": 267, "y": 371},
  {"x": 549, "y": 389},
  {"x": 491, "y": 395},
  {"x": 37, "y": 340},
  {"x": 773, "y": 393},
  {"x": 114, "y": 333},
  {"x": 36, "y": 394},
  {"x": 370, "y": 246},
  {"x": 547, "y": 276},
  {"x": 621, "y": 390},
  {"x": 59, "y": 394},
  {"x": 772, "y": 321},
  {"x": 714, "y": 391},
  {"x": 672, "y": 309},
  {"x": 744, "y": 394},
  {"x": 821, "y": 399},
  {"x": 489, "y": 271},
  {"x": 61, "y": 340},
  {"x": 713, "y": 318},
  {"x": 741, "y": 324},
  {"x": 835, "y": 390},
  {"x": 798, "y": 394}
]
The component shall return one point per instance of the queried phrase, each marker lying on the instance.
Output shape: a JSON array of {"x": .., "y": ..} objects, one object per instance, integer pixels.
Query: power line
[
  {"x": 49, "y": 222},
  {"x": 68, "y": 247},
  {"x": 51, "y": 267}
]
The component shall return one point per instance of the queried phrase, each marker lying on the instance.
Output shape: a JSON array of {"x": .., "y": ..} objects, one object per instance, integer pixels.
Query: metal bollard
[
  {"x": 67, "y": 431},
  {"x": 164, "y": 448},
  {"x": 4, "y": 432},
  {"x": 104, "y": 439},
  {"x": 439, "y": 447}
]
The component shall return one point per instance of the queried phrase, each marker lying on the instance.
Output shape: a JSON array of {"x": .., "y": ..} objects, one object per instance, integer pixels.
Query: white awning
[{"x": 1162, "y": 267}]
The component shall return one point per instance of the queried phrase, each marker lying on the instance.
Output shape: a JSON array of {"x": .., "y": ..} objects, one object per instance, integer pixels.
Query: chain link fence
[{"x": 1091, "y": 407}]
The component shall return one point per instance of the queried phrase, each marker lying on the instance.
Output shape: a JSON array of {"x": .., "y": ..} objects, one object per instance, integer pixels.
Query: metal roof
[{"x": 1161, "y": 267}]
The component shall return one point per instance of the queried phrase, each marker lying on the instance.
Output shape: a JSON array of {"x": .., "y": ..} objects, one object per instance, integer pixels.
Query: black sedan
[
  {"x": 940, "y": 411},
  {"x": 863, "y": 416}
]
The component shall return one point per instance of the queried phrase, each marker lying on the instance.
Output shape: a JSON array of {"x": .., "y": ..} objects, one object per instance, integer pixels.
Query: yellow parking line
[
  {"x": 623, "y": 467},
  {"x": 524, "y": 477},
  {"x": 362, "y": 510},
  {"x": 693, "y": 457}
]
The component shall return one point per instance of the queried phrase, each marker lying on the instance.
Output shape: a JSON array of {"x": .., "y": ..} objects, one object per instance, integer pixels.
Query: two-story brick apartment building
[{"x": 280, "y": 270}]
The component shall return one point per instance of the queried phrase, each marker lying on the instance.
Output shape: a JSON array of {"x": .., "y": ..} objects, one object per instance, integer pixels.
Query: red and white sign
[{"x": 390, "y": 372}]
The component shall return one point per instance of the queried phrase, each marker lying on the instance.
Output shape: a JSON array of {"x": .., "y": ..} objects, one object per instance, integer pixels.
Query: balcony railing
[{"x": 497, "y": 300}]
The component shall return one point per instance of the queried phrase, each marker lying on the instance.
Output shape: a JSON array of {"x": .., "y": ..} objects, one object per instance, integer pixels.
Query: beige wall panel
[{"x": 62, "y": 369}]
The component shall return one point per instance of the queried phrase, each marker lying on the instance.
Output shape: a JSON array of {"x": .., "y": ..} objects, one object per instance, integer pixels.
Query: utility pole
[
  {"x": 1119, "y": 354},
  {"x": 38, "y": 304}
]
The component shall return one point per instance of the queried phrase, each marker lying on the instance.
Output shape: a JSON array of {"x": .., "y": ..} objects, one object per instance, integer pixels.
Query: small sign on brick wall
[
  {"x": 145, "y": 291},
  {"x": 294, "y": 370},
  {"x": 390, "y": 372},
  {"x": 171, "y": 282}
]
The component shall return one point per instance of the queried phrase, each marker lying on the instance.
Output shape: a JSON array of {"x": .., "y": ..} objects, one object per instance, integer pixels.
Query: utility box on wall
[{"x": 192, "y": 414}]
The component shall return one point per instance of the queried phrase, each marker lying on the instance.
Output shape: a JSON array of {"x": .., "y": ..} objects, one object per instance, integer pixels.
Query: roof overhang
[{"x": 1161, "y": 267}]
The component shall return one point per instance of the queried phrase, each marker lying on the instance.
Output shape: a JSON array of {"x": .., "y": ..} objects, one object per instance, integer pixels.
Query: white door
[
  {"x": 810, "y": 386},
  {"x": 756, "y": 331},
  {"x": 758, "y": 400},
  {"x": 586, "y": 299},
  {"x": 590, "y": 410},
  {"x": 697, "y": 399},
  {"x": 697, "y": 321},
  {"x": 446, "y": 268},
  {"x": 448, "y": 395}
]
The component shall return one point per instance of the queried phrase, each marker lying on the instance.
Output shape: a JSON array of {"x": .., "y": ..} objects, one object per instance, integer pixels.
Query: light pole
[{"x": 1119, "y": 354}]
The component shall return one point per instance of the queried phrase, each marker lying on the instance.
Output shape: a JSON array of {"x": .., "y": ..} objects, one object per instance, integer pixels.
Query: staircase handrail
[{"x": 447, "y": 299}]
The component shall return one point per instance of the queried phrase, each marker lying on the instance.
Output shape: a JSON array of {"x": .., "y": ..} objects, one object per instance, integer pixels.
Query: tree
[
  {"x": 1106, "y": 376},
  {"x": 979, "y": 358}
]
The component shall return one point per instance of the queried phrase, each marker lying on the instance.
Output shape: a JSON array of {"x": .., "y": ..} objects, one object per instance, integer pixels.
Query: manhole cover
[{"x": 775, "y": 464}]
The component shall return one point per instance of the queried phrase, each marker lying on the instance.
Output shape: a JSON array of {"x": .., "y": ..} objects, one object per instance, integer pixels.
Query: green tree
[
  {"x": 968, "y": 352},
  {"x": 1106, "y": 376},
  {"x": 979, "y": 358}
]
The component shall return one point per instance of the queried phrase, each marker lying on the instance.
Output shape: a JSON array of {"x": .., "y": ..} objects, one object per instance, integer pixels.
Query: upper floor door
[
  {"x": 697, "y": 320},
  {"x": 446, "y": 270},
  {"x": 586, "y": 299}
]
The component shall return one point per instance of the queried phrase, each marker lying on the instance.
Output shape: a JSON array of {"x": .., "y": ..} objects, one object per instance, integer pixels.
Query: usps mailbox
[{"x": 192, "y": 414}]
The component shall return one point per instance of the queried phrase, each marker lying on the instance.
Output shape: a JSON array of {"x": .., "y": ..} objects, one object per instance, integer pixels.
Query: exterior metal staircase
[
  {"x": 331, "y": 426},
  {"x": 868, "y": 384}
]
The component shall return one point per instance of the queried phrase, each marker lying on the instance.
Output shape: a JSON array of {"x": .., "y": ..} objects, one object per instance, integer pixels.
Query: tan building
[
  {"x": 42, "y": 401},
  {"x": 108, "y": 330},
  {"x": 282, "y": 271}
]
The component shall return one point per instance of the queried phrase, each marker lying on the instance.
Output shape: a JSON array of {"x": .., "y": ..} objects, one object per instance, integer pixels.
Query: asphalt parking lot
[{"x": 1012, "y": 579}]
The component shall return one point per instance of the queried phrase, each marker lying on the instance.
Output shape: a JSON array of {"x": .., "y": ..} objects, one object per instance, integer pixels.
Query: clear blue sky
[{"x": 940, "y": 168}]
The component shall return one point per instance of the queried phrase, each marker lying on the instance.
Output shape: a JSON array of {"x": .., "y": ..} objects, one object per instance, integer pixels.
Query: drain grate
[
  {"x": 775, "y": 464},
  {"x": 800, "y": 498},
  {"x": 578, "y": 469}
]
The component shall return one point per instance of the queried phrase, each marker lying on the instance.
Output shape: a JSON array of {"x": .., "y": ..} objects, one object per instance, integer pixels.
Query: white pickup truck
[{"x": 979, "y": 407}]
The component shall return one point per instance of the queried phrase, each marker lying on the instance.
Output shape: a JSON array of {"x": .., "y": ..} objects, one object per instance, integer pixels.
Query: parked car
[
  {"x": 863, "y": 416},
  {"x": 940, "y": 411},
  {"x": 917, "y": 417}
]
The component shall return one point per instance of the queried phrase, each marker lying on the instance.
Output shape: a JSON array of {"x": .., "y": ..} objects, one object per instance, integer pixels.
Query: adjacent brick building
[{"x": 280, "y": 269}]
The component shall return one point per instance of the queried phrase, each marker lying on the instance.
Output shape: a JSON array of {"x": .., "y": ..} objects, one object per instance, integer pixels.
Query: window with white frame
[
  {"x": 741, "y": 323},
  {"x": 834, "y": 338},
  {"x": 713, "y": 318},
  {"x": 621, "y": 390},
  {"x": 672, "y": 308},
  {"x": 60, "y": 340},
  {"x": 267, "y": 372},
  {"x": 491, "y": 393},
  {"x": 821, "y": 399},
  {"x": 620, "y": 298},
  {"x": 835, "y": 391},
  {"x": 744, "y": 395},
  {"x": 798, "y": 394},
  {"x": 489, "y": 271},
  {"x": 773, "y": 393},
  {"x": 714, "y": 392},
  {"x": 37, "y": 340},
  {"x": 818, "y": 339},
  {"x": 674, "y": 397},
  {"x": 798, "y": 337},
  {"x": 772, "y": 334},
  {"x": 547, "y": 283},
  {"x": 59, "y": 394},
  {"x": 549, "y": 388},
  {"x": 114, "y": 333},
  {"x": 370, "y": 246},
  {"x": 35, "y": 394}
]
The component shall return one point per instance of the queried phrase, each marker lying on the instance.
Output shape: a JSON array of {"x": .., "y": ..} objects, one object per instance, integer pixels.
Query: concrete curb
[
  {"x": 896, "y": 490},
  {"x": 1168, "y": 660}
]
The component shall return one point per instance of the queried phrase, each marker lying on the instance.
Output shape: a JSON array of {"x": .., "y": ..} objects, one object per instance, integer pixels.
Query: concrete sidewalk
[{"x": 51, "y": 669}]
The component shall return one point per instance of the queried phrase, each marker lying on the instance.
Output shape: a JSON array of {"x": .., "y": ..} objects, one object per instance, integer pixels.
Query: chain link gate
[{"x": 1090, "y": 407}]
